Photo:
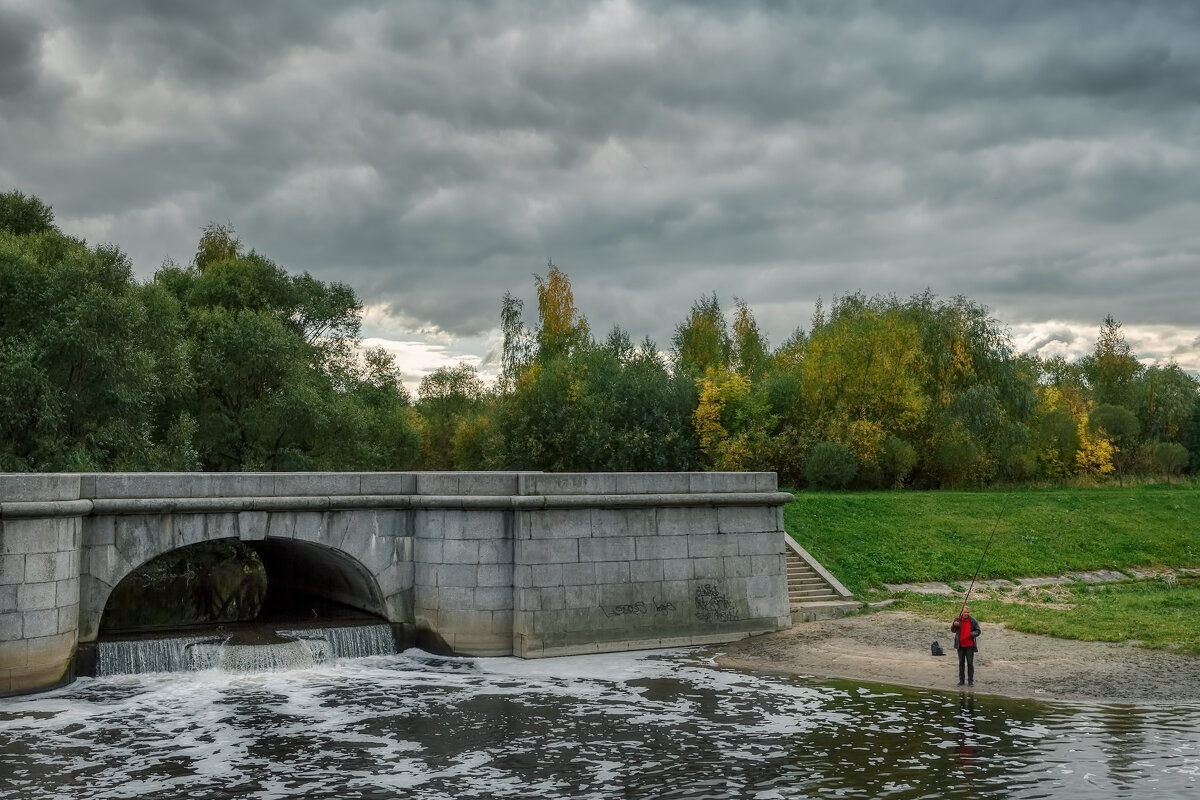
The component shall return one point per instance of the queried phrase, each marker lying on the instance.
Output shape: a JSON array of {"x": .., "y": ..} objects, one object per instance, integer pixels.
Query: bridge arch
[
  {"x": 228, "y": 581},
  {"x": 349, "y": 557}
]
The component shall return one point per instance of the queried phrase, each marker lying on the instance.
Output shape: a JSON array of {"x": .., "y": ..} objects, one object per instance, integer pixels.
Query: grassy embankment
[{"x": 869, "y": 539}]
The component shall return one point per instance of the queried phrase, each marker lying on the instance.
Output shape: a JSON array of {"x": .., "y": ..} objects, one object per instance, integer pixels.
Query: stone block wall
[
  {"x": 463, "y": 563},
  {"x": 701, "y": 561},
  {"x": 39, "y": 582}
]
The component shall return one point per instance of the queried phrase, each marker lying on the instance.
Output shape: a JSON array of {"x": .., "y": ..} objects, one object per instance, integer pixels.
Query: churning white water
[{"x": 294, "y": 649}]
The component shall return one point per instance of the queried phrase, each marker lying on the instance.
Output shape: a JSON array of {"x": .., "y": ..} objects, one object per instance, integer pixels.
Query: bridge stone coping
[
  {"x": 489, "y": 563},
  {"x": 38, "y": 486}
]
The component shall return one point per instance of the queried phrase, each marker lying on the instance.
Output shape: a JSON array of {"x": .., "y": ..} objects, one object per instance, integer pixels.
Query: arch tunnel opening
[
  {"x": 229, "y": 592},
  {"x": 227, "y": 582},
  {"x": 309, "y": 577}
]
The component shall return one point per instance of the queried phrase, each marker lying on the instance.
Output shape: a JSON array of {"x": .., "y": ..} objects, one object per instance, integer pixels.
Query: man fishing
[{"x": 966, "y": 629}]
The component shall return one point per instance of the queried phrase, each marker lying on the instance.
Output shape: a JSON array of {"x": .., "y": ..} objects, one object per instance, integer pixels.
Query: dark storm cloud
[
  {"x": 216, "y": 44},
  {"x": 1038, "y": 158},
  {"x": 20, "y": 50}
]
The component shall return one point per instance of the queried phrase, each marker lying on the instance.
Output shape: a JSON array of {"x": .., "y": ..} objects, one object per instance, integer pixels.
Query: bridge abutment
[{"x": 39, "y": 579}]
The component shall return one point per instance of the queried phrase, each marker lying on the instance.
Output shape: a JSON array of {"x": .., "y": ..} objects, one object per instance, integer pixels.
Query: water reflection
[{"x": 630, "y": 725}]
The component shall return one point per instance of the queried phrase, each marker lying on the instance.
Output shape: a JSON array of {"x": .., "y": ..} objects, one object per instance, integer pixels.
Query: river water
[{"x": 663, "y": 724}]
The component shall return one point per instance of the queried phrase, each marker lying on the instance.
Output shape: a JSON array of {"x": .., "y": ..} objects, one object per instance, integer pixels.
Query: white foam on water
[{"x": 413, "y": 724}]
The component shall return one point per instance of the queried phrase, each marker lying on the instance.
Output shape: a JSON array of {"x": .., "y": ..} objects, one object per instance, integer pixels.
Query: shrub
[
  {"x": 899, "y": 458},
  {"x": 830, "y": 465},
  {"x": 1171, "y": 458}
]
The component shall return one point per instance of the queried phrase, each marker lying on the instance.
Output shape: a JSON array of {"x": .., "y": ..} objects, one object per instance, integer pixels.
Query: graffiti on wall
[
  {"x": 638, "y": 608},
  {"x": 713, "y": 606}
]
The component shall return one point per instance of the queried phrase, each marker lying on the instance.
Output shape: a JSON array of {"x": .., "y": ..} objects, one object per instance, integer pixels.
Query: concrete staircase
[
  {"x": 813, "y": 593},
  {"x": 804, "y": 584}
]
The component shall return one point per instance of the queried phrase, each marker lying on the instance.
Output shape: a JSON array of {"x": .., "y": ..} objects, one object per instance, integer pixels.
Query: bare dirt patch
[
  {"x": 893, "y": 647},
  {"x": 1056, "y": 597}
]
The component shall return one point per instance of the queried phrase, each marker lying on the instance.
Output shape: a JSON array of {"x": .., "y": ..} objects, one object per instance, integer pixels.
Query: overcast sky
[{"x": 1041, "y": 159}]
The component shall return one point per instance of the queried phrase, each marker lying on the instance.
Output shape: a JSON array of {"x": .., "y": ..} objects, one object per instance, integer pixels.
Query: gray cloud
[
  {"x": 1058, "y": 335},
  {"x": 212, "y": 46},
  {"x": 20, "y": 49},
  {"x": 1040, "y": 160}
]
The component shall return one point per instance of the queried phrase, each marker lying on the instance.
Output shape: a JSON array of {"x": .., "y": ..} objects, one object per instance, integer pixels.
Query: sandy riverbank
[{"x": 892, "y": 647}]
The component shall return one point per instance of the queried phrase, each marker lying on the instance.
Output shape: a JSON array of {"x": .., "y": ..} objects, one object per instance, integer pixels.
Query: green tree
[
  {"x": 23, "y": 215},
  {"x": 479, "y": 441},
  {"x": 517, "y": 349},
  {"x": 257, "y": 404},
  {"x": 976, "y": 387},
  {"x": 956, "y": 459},
  {"x": 702, "y": 341},
  {"x": 750, "y": 355},
  {"x": 218, "y": 245},
  {"x": 899, "y": 459},
  {"x": 1121, "y": 427},
  {"x": 1171, "y": 458},
  {"x": 371, "y": 425},
  {"x": 584, "y": 406},
  {"x": 1189, "y": 436},
  {"x": 276, "y": 378},
  {"x": 1112, "y": 369},
  {"x": 83, "y": 361},
  {"x": 862, "y": 376},
  {"x": 1163, "y": 401},
  {"x": 594, "y": 411},
  {"x": 1058, "y": 442},
  {"x": 830, "y": 465},
  {"x": 782, "y": 392},
  {"x": 447, "y": 398},
  {"x": 648, "y": 411},
  {"x": 1067, "y": 377}
]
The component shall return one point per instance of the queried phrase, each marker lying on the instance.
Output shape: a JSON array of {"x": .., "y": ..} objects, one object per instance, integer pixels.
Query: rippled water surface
[{"x": 659, "y": 725}]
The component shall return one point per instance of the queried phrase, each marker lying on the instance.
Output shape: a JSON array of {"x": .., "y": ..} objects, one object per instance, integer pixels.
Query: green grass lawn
[
  {"x": 872, "y": 538},
  {"x": 868, "y": 539},
  {"x": 1154, "y": 613}
]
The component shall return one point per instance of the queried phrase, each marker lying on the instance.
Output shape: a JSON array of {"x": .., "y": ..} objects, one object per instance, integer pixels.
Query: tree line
[{"x": 232, "y": 363}]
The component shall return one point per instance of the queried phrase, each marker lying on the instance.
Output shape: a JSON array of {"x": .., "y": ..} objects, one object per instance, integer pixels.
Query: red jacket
[{"x": 970, "y": 637}]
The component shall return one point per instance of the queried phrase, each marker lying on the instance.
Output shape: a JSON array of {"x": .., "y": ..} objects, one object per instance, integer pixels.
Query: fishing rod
[{"x": 995, "y": 525}]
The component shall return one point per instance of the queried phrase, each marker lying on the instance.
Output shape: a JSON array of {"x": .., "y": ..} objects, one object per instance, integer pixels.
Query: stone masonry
[
  {"x": 528, "y": 564},
  {"x": 646, "y": 565},
  {"x": 39, "y": 580}
]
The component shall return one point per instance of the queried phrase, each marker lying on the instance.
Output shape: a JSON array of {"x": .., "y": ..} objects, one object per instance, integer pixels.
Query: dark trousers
[{"x": 966, "y": 661}]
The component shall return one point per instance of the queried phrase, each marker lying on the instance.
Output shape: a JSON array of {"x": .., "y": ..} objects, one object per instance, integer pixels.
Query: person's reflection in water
[{"x": 966, "y": 737}]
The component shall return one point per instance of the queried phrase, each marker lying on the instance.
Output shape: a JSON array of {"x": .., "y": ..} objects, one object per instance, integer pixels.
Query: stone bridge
[{"x": 493, "y": 563}]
